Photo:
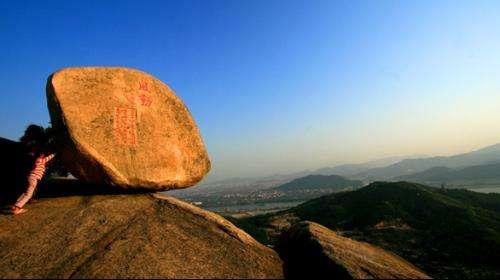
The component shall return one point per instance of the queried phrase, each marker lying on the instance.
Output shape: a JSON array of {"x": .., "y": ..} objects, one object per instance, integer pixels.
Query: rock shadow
[
  {"x": 15, "y": 167},
  {"x": 60, "y": 187}
]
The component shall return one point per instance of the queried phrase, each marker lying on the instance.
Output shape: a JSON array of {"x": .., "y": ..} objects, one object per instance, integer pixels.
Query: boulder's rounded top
[{"x": 83, "y": 69}]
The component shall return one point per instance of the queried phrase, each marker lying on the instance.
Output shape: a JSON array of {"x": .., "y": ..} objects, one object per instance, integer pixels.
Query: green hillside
[
  {"x": 319, "y": 182},
  {"x": 447, "y": 233}
]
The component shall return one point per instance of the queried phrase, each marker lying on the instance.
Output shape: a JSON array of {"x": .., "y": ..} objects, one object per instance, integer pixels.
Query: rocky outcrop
[
  {"x": 310, "y": 250},
  {"x": 125, "y": 128},
  {"x": 79, "y": 235}
]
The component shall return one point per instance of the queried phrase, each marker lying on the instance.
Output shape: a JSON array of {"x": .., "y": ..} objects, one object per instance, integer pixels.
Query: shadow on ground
[
  {"x": 72, "y": 187},
  {"x": 60, "y": 187}
]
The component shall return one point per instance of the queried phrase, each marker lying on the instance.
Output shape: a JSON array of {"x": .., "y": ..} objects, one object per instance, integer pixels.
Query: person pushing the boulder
[{"x": 35, "y": 141}]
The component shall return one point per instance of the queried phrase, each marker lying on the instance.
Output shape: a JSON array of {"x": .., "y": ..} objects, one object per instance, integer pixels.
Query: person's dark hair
[
  {"x": 32, "y": 133},
  {"x": 35, "y": 139}
]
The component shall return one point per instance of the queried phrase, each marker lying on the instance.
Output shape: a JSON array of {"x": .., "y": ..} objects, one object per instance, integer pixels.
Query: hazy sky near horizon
[{"x": 278, "y": 86}]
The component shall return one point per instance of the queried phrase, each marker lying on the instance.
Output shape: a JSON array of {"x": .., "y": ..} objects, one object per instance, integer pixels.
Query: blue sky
[{"x": 278, "y": 86}]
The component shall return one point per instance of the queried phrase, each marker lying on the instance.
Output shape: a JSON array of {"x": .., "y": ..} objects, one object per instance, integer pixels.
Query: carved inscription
[
  {"x": 144, "y": 98},
  {"x": 125, "y": 126},
  {"x": 143, "y": 85}
]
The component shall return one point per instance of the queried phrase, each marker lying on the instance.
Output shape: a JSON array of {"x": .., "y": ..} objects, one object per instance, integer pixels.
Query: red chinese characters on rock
[
  {"x": 143, "y": 86},
  {"x": 125, "y": 126},
  {"x": 144, "y": 98}
]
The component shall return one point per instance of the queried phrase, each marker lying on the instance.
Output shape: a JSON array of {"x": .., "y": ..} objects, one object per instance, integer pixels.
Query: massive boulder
[
  {"x": 78, "y": 235},
  {"x": 126, "y": 128},
  {"x": 310, "y": 250}
]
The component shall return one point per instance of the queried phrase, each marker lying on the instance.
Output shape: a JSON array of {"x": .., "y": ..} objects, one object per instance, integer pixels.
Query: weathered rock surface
[
  {"x": 311, "y": 250},
  {"x": 126, "y": 128},
  {"x": 127, "y": 236}
]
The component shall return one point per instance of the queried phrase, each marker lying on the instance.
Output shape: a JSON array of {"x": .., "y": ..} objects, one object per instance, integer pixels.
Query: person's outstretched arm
[{"x": 48, "y": 158}]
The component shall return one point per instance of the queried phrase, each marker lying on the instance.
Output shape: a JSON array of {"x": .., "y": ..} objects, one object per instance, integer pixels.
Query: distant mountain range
[
  {"x": 386, "y": 169},
  {"x": 449, "y": 233},
  {"x": 315, "y": 182},
  {"x": 467, "y": 175},
  {"x": 352, "y": 169},
  {"x": 488, "y": 155},
  {"x": 249, "y": 184}
]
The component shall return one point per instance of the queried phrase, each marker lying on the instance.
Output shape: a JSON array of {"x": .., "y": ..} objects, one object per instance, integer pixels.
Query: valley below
[
  {"x": 448, "y": 233},
  {"x": 442, "y": 214}
]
